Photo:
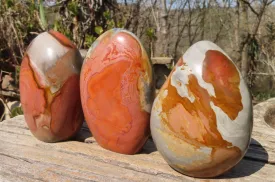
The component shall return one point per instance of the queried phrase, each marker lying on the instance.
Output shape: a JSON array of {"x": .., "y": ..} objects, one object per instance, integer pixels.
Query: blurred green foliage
[
  {"x": 98, "y": 30},
  {"x": 262, "y": 96},
  {"x": 18, "y": 26},
  {"x": 16, "y": 111},
  {"x": 80, "y": 21},
  {"x": 42, "y": 15}
]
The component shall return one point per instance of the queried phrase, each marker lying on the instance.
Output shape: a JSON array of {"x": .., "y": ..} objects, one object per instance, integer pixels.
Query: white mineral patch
[
  {"x": 180, "y": 81},
  {"x": 195, "y": 155},
  {"x": 237, "y": 131},
  {"x": 193, "y": 59},
  {"x": 43, "y": 53},
  {"x": 155, "y": 119},
  {"x": 186, "y": 154}
]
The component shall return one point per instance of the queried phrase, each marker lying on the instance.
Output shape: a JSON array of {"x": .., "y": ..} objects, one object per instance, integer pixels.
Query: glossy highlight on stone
[
  {"x": 201, "y": 120},
  {"x": 116, "y": 91},
  {"x": 49, "y": 87}
]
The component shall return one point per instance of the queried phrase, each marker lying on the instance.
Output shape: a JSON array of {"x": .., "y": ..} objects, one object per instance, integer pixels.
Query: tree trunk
[
  {"x": 161, "y": 45},
  {"x": 136, "y": 17},
  {"x": 243, "y": 38}
]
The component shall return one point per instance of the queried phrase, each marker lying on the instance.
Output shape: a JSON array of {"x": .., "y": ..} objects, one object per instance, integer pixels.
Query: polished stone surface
[
  {"x": 201, "y": 119},
  {"x": 116, "y": 91},
  {"x": 49, "y": 87}
]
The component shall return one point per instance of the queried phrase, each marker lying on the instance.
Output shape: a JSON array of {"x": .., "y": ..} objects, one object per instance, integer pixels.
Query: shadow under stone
[
  {"x": 83, "y": 134},
  {"x": 255, "y": 159},
  {"x": 149, "y": 147}
]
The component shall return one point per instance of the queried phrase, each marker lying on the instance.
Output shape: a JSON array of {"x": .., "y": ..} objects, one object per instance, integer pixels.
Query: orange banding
[
  {"x": 50, "y": 116},
  {"x": 110, "y": 93},
  {"x": 197, "y": 111},
  {"x": 196, "y": 122},
  {"x": 32, "y": 97},
  {"x": 219, "y": 71}
]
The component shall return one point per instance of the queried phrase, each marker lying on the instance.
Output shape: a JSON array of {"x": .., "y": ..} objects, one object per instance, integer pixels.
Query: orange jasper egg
[
  {"x": 49, "y": 87},
  {"x": 201, "y": 120},
  {"x": 116, "y": 91}
]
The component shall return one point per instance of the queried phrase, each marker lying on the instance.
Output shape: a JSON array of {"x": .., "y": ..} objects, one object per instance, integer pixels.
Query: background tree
[{"x": 243, "y": 28}]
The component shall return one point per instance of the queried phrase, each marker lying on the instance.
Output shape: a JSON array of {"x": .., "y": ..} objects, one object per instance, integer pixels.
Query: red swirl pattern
[{"x": 110, "y": 94}]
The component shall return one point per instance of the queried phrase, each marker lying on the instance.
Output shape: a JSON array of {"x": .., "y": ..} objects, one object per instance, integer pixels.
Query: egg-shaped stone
[
  {"x": 49, "y": 87},
  {"x": 201, "y": 120},
  {"x": 116, "y": 91}
]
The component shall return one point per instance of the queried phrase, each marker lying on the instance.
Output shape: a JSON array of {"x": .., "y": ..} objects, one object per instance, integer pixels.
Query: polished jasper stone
[
  {"x": 116, "y": 91},
  {"x": 201, "y": 120},
  {"x": 49, "y": 87}
]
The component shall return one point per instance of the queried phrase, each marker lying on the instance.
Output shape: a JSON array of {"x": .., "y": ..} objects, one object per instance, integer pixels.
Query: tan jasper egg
[
  {"x": 49, "y": 87},
  {"x": 201, "y": 120}
]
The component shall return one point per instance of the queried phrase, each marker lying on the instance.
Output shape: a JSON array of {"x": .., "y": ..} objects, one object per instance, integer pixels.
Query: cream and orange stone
[
  {"x": 49, "y": 87},
  {"x": 201, "y": 120}
]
